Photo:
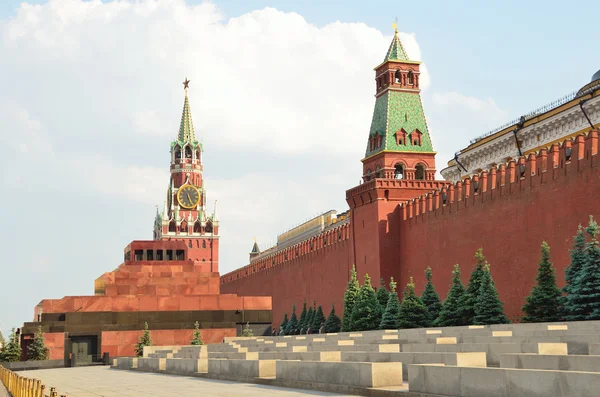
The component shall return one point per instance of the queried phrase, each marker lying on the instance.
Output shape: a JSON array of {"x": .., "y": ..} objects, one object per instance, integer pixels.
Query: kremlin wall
[{"x": 540, "y": 180}]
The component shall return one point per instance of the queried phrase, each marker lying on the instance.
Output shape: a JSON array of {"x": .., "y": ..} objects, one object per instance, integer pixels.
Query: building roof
[
  {"x": 596, "y": 76},
  {"x": 396, "y": 51},
  {"x": 186, "y": 133},
  {"x": 255, "y": 249}
]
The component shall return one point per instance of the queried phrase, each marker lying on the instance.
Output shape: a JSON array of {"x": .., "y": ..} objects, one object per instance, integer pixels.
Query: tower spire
[
  {"x": 396, "y": 51},
  {"x": 186, "y": 128}
]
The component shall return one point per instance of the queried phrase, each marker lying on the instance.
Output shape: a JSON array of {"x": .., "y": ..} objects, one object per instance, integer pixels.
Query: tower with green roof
[
  {"x": 185, "y": 215},
  {"x": 399, "y": 144}
]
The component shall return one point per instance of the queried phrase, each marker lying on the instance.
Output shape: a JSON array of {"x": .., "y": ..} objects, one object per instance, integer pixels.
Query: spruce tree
[
  {"x": 37, "y": 350},
  {"x": 389, "y": 319},
  {"x": 309, "y": 319},
  {"x": 366, "y": 313},
  {"x": 293, "y": 324},
  {"x": 431, "y": 299},
  {"x": 144, "y": 340},
  {"x": 413, "y": 313},
  {"x": 197, "y": 338},
  {"x": 571, "y": 310},
  {"x": 382, "y": 295},
  {"x": 333, "y": 323},
  {"x": 247, "y": 331},
  {"x": 303, "y": 313},
  {"x": 450, "y": 310},
  {"x": 543, "y": 304},
  {"x": 11, "y": 350},
  {"x": 488, "y": 308},
  {"x": 318, "y": 320},
  {"x": 284, "y": 323},
  {"x": 589, "y": 280},
  {"x": 350, "y": 297},
  {"x": 468, "y": 301}
]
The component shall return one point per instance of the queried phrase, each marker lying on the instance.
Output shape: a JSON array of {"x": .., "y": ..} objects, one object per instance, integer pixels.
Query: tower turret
[{"x": 399, "y": 145}]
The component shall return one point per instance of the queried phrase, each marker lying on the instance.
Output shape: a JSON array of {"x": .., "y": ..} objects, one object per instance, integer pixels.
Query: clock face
[{"x": 188, "y": 196}]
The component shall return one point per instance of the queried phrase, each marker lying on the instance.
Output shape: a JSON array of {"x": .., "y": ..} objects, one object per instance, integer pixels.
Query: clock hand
[{"x": 189, "y": 198}]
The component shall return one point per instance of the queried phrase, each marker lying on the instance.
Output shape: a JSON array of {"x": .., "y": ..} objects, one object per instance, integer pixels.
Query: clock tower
[{"x": 184, "y": 216}]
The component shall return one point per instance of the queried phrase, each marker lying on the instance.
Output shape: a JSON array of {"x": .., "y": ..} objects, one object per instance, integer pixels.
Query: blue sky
[{"x": 92, "y": 107}]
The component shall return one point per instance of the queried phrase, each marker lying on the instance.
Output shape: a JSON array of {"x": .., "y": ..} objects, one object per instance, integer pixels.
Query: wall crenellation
[
  {"x": 531, "y": 170},
  {"x": 327, "y": 238}
]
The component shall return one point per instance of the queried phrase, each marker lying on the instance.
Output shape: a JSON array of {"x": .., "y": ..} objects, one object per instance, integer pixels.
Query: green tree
[
  {"x": 293, "y": 323},
  {"x": 488, "y": 308},
  {"x": 318, "y": 319},
  {"x": 413, "y": 313},
  {"x": 247, "y": 331},
  {"x": 144, "y": 340},
  {"x": 284, "y": 323},
  {"x": 431, "y": 299},
  {"x": 543, "y": 303},
  {"x": 589, "y": 294},
  {"x": 366, "y": 313},
  {"x": 468, "y": 301},
  {"x": 382, "y": 295},
  {"x": 309, "y": 318},
  {"x": 450, "y": 310},
  {"x": 350, "y": 297},
  {"x": 37, "y": 350},
  {"x": 197, "y": 338},
  {"x": 571, "y": 310},
  {"x": 303, "y": 314},
  {"x": 389, "y": 319},
  {"x": 333, "y": 323},
  {"x": 11, "y": 350}
]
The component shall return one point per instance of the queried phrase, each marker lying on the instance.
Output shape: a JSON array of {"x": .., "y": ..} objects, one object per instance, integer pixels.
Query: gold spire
[{"x": 395, "y": 26}]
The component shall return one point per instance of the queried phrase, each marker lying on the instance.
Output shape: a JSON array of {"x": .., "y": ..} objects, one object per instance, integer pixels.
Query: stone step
[
  {"x": 551, "y": 362},
  {"x": 242, "y": 369}
]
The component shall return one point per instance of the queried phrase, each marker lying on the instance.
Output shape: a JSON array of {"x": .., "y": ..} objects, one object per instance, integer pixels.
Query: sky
[{"x": 282, "y": 95}]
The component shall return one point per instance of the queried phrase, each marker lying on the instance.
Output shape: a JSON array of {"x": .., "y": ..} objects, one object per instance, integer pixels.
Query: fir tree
[
  {"x": 488, "y": 307},
  {"x": 389, "y": 319},
  {"x": 571, "y": 310},
  {"x": 247, "y": 331},
  {"x": 284, "y": 323},
  {"x": 450, "y": 310},
  {"x": 589, "y": 294},
  {"x": 382, "y": 295},
  {"x": 431, "y": 299},
  {"x": 293, "y": 323},
  {"x": 37, "y": 350},
  {"x": 318, "y": 320},
  {"x": 11, "y": 350},
  {"x": 303, "y": 314},
  {"x": 309, "y": 318},
  {"x": 197, "y": 338},
  {"x": 144, "y": 340},
  {"x": 333, "y": 323},
  {"x": 350, "y": 297},
  {"x": 468, "y": 301},
  {"x": 366, "y": 312},
  {"x": 413, "y": 313},
  {"x": 543, "y": 304}
]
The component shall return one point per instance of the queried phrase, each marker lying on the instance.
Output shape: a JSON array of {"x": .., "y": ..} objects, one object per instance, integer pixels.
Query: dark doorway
[{"x": 84, "y": 349}]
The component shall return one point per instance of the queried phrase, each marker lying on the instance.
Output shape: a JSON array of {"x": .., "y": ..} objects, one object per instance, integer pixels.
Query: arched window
[
  {"x": 398, "y": 171},
  {"x": 177, "y": 153},
  {"x": 188, "y": 152},
  {"x": 368, "y": 174},
  {"x": 209, "y": 227},
  {"x": 410, "y": 78},
  {"x": 397, "y": 76},
  {"x": 420, "y": 171},
  {"x": 197, "y": 228},
  {"x": 203, "y": 243},
  {"x": 172, "y": 226},
  {"x": 183, "y": 228},
  {"x": 378, "y": 173}
]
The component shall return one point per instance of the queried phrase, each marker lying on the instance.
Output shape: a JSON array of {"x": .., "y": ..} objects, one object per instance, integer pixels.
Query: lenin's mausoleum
[{"x": 535, "y": 178}]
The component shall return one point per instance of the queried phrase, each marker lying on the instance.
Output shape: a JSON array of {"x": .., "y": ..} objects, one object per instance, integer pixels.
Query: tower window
[
  {"x": 410, "y": 78},
  {"x": 398, "y": 171},
  {"x": 397, "y": 76},
  {"x": 378, "y": 173},
  {"x": 197, "y": 227},
  {"x": 420, "y": 172},
  {"x": 188, "y": 152},
  {"x": 203, "y": 243},
  {"x": 172, "y": 226},
  {"x": 209, "y": 227}
]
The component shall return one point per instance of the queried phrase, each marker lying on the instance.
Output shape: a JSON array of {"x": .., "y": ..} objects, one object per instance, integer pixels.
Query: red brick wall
[{"x": 509, "y": 223}]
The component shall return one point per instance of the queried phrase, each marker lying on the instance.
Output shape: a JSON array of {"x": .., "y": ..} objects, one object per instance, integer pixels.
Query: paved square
[{"x": 104, "y": 381}]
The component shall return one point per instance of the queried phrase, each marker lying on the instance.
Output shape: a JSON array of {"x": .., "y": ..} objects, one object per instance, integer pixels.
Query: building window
[
  {"x": 128, "y": 256},
  {"x": 420, "y": 172},
  {"x": 138, "y": 254},
  {"x": 149, "y": 255},
  {"x": 188, "y": 152},
  {"x": 410, "y": 78},
  {"x": 179, "y": 255},
  {"x": 203, "y": 243},
  {"x": 172, "y": 227},
  {"x": 208, "y": 227},
  {"x": 169, "y": 255},
  {"x": 398, "y": 76},
  {"x": 197, "y": 227},
  {"x": 398, "y": 171},
  {"x": 159, "y": 255}
]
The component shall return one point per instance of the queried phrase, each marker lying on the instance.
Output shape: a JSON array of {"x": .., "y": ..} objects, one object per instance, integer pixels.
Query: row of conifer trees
[
  {"x": 12, "y": 351},
  {"x": 310, "y": 321}
]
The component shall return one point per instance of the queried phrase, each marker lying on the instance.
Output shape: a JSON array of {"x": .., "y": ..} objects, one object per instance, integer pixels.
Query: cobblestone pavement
[{"x": 107, "y": 382}]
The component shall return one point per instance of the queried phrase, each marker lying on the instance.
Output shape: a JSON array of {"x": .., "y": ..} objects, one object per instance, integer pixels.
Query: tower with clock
[{"x": 184, "y": 216}]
